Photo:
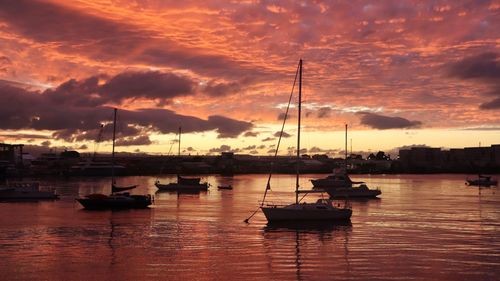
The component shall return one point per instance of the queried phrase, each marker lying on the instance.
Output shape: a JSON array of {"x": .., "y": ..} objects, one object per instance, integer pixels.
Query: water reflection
[
  {"x": 422, "y": 228},
  {"x": 297, "y": 240}
]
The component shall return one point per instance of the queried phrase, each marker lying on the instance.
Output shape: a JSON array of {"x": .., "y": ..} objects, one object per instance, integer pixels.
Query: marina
[{"x": 430, "y": 227}]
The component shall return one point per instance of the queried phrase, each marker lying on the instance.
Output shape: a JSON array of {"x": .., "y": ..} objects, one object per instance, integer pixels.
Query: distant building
[
  {"x": 11, "y": 153},
  {"x": 468, "y": 159}
]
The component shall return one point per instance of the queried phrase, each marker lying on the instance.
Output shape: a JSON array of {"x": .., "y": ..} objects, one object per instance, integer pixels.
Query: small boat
[
  {"x": 481, "y": 181},
  {"x": 183, "y": 185},
  {"x": 229, "y": 187},
  {"x": 25, "y": 191},
  {"x": 337, "y": 179},
  {"x": 340, "y": 185},
  {"x": 361, "y": 191},
  {"x": 95, "y": 169},
  {"x": 322, "y": 210},
  {"x": 115, "y": 200}
]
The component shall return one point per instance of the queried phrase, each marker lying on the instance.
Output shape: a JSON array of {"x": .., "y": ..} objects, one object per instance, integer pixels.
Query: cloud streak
[{"x": 381, "y": 122}]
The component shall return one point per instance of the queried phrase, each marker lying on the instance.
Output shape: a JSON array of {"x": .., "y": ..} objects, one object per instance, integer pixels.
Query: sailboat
[
  {"x": 115, "y": 200},
  {"x": 183, "y": 184},
  {"x": 321, "y": 210}
]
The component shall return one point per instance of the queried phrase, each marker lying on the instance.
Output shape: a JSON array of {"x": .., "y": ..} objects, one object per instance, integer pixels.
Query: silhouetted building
[
  {"x": 11, "y": 153},
  {"x": 468, "y": 159}
]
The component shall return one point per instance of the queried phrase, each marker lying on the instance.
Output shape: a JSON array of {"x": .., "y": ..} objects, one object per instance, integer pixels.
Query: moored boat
[
  {"x": 482, "y": 181},
  {"x": 321, "y": 210},
  {"x": 183, "y": 185},
  {"x": 361, "y": 191},
  {"x": 25, "y": 191},
  {"x": 115, "y": 200}
]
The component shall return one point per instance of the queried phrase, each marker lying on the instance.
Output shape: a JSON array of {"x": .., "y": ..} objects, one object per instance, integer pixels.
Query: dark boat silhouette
[{"x": 115, "y": 200}]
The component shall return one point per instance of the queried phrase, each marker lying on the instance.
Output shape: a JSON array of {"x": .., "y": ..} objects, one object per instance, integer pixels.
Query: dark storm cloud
[
  {"x": 268, "y": 139},
  {"x": 484, "y": 68},
  {"x": 153, "y": 85},
  {"x": 73, "y": 120},
  {"x": 228, "y": 128},
  {"x": 382, "y": 122}
]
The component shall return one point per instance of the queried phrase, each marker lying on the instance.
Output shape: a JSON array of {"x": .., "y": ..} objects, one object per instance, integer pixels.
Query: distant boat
[
  {"x": 337, "y": 179},
  {"x": 321, "y": 210},
  {"x": 482, "y": 181},
  {"x": 25, "y": 191},
  {"x": 95, "y": 169},
  {"x": 115, "y": 200},
  {"x": 229, "y": 187},
  {"x": 361, "y": 191},
  {"x": 183, "y": 184},
  {"x": 340, "y": 185}
]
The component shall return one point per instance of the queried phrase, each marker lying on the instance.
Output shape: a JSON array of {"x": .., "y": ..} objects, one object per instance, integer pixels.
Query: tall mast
[
  {"x": 179, "y": 150},
  {"x": 346, "y": 148},
  {"x": 298, "y": 134},
  {"x": 113, "y": 151}
]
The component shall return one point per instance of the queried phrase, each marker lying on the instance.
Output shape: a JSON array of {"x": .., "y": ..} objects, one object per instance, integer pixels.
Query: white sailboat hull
[{"x": 304, "y": 212}]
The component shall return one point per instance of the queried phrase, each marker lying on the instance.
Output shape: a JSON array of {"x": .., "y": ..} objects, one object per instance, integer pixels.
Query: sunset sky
[{"x": 400, "y": 73}]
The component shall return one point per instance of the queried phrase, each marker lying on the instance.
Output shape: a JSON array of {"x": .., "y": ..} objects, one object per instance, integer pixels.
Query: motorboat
[
  {"x": 183, "y": 184},
  {"x": 340, "y": 185},
  {"x": 337, "y": 179},
  {"x": 25, "y": 191},
  {"x": 352, "y": 192}
]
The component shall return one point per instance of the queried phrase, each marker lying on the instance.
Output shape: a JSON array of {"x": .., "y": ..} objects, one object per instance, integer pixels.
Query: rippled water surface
[{"x": 424, "y": 227}]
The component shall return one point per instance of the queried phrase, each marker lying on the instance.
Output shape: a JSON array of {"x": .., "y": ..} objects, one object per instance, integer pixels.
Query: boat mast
[
  {"x": 113, "y": 151},
  {"x": 298, "y": 134},
  {"x": 346, "y": 148},
  {"x": 179, "y": 150}
]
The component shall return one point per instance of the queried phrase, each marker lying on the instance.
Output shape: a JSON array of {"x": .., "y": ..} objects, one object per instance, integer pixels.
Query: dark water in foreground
[{"x": 424, "y": 228}]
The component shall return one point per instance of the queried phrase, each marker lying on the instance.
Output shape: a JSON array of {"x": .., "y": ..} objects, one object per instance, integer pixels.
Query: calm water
[{"x": 423, "y": 228}]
